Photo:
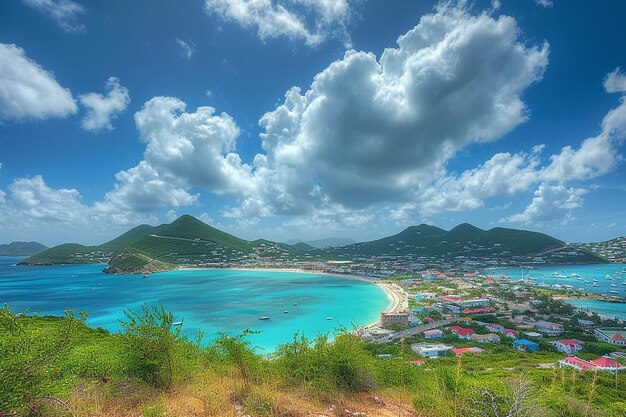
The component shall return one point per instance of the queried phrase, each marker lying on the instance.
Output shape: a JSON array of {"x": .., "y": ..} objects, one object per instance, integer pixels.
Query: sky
[{"x": 305, "y": 119}]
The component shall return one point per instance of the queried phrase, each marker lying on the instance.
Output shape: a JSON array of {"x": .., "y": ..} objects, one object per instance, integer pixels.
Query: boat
[
  {"x": 264, "y": 318},
  {"x": 329, "y": 318},
  {"x": 177, "y": 323},
  {"x": 573, "y": 275},
  {"x": 614, "y": 292},
  {"x": 613, "y": 285},
  {"x": 596, "y": 285},
  {"x": 146, "y": 276},
  {"x": 556, "y": 274},
  {"x": 285, "y": 312},
  {"x": 295, "y": 304}
]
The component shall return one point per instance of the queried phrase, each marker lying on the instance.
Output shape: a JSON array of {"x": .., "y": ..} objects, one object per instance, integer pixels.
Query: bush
[{"x": 151, "y": 345}]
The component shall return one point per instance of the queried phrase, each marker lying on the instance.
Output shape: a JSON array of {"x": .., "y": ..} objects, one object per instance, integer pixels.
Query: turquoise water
[
  {"x": 587, "y": 273},
  {"x": 209, "y": 300},
  {"x": 603, "y": 308}
]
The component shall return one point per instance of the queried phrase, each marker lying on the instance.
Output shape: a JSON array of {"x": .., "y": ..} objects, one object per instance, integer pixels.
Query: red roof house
[
  {"x": 606, "y": 363},
  {"x": 577, "y": 363},
  {"x": 465, "y": 333},
  {"x": 569, "y": 346},
  {"x": 513, "y": 334},
  {"x": 461, "y": 351},
  {"x": 478, "y": 310}
]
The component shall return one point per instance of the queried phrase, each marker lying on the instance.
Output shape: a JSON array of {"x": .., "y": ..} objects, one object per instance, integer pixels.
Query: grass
[{"x": 150, "y": 370}]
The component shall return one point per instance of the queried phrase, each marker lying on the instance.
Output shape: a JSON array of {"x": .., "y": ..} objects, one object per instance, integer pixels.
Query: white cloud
[
  {"x": 544, "y": 3},
  {"x": 370, "y": 131},
  {"x": 101, "y": 109},
  {"x": 615, "y": 82},
  {"x": 3, "y": 197},
  {"x": 27, "y": 91},
  {"x": 183, "y": 150},
  {"x": 309, "y": 20},
  {"x": 65, "y": 13},
  {"x": 187, "y": 47},
  {"x": 551, "y": 202}
]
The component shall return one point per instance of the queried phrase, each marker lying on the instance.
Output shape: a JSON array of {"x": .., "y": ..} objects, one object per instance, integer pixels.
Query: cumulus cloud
[
  {"x": 309, "y": 20},
  {"x": 32, "y": 206},
  {"x": 27, "y": 91},
  {"x": 551, "y": 202},
  {"x": 368, "y": 131},
  {"x": 188, "y": 48},
  {"x": 183, "y": 150},
  {"x": 65, "y": 13},
  {"x": 101, "y": 109}
]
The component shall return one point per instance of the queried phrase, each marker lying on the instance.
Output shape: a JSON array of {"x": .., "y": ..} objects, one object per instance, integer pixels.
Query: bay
[{"x": 210, "y": 301}]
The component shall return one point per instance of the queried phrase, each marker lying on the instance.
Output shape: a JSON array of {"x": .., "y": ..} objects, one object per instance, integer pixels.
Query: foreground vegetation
[{"x": 59, "y": 366}]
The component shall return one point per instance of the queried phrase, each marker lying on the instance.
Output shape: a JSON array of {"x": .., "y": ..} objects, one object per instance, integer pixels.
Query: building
[
  {"x": 433, "y": 334},
  {"x": 428, "y": 350},
  {"x": 481, "y": 310},
  {"x": 613, "y": 335},
  {"x": 607, "y": 363},
  {"x": 495, "y": 327},
  {"x": 603, "y": 363},
  {"x": 476, "y": 302},
  {"x": 586, "y": 323},
  {"x": 549, "y": 329},
  {"x": 525, "y": 345},
  {"x": 472, "y": 350},
  {"x": 513, "y": 334},
  {"x": 534, "y": 335},
  {"x": 423, "y": 296},
  {"x": 394, "y": 320},
  {"x": 485, "y": 338},
  {"x": 568, "y": 346},
  {"x": 576, "y": 363},
  {"x": 465, "y": 333}
]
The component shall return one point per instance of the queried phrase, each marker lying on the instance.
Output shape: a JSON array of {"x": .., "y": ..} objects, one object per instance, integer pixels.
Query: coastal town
[{"x": 440, "y": 315}]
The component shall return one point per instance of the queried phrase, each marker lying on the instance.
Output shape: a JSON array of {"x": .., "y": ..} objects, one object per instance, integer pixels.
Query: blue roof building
[{"x": 525, "y": 345}]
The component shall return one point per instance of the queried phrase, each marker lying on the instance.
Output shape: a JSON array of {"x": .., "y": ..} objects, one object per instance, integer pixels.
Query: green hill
[
  {"x": 21, "y": 248},
  {"x": 303, "y": 246},
  {"x": 466, "y": 240}
]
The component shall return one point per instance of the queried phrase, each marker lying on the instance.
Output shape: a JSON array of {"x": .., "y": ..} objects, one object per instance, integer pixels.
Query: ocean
[
  {"x": 211, "y": 301},
  {"x": 581, "y": 277}
]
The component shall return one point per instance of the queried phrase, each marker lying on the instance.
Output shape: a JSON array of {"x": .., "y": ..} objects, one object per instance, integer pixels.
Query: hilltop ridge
[{"x": 187, "y": 241}]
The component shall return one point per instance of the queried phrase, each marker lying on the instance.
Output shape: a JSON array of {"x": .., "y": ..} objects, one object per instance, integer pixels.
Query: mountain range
[
  {"x": 21, "y": 248},
  {"x": 320, "y": 243},
  {"x": 188, "y": 241}
]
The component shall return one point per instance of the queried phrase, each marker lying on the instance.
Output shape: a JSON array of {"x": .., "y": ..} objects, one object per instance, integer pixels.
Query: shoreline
[{"x": 398, "y": 298}]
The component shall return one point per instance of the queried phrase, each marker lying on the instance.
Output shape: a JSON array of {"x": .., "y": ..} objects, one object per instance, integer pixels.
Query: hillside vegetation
[
  {"x": 188, "y": 241},
  {"x": 59, "y": 366}
]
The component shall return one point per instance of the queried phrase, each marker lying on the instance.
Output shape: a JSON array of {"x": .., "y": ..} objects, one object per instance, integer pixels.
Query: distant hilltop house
[
  {"x": 613, "y": 335},
  {"x": 428, "y": 350},
  {"x": 525, "y": 345},
  {"x": 568, "y": 346},
  {"x": 395, "y": 320},
  {"x": 603, "y": 363},
  {"x": 548, "y": 328}
]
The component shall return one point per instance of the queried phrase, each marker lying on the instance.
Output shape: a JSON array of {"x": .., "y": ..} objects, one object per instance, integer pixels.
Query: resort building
[
  {"x": 568, "y": 346},
  {"x": 433, "y": 334},
  {"x": 394, "y": 320},
  {"x": 428, "y": 350},
  {"x": 525, "y": 345},
  {"x": 549, "y": 329},
  {"x": 613, "y": 335}
]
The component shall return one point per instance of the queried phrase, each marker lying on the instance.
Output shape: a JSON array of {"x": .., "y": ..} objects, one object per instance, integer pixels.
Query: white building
[{"x": 428, "y": 350}]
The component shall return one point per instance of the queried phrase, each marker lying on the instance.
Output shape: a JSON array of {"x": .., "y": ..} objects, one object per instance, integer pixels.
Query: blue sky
[{"x": 311, "y": 118}]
